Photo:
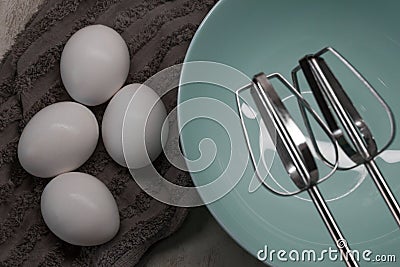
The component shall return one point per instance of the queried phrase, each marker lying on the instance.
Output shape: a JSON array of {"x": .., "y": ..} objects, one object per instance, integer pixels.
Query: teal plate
[{"x": 271, "y": 36}]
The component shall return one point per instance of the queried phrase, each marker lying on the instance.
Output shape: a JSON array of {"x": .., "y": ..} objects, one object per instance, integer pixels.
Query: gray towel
[{"x": 158, "y": 33}]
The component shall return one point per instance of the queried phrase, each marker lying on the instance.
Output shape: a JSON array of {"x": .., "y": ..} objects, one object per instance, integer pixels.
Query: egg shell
[
  {"x": 94, "y": 64},
  {"x": 59, "y": 138},
  {"x": 143, "y": 126},
  {"x": 79, "y": 209}
]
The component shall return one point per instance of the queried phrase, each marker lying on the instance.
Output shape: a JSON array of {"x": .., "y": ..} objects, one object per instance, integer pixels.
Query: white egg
[
  {"x": 58, "y": 139},
  {"x": 79, "y": 209},
  {"x": 94, "y": 64},
  {"x": 143, "y": 126}
]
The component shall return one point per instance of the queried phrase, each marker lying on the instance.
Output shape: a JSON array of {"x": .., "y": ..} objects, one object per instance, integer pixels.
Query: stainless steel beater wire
[
  {"x": 371, "y": 89},
  {"x": 332, "y": 226},
  {"x": 369, "y": 163},
  {"x": 253, "y": 160},
  {"x": 384, "y": 189},
  {"x": 315, "y": 195},
  {"x": 305, "y": 104}
]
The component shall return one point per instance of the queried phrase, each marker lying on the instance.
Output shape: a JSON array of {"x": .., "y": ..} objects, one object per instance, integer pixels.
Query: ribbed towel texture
[{"x": 158, "y": 33}]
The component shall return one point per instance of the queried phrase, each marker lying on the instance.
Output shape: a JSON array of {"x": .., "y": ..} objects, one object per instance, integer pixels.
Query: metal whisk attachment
[
  {"x": 294, "y": 152},
  {"x": 330, "y": 96}
]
